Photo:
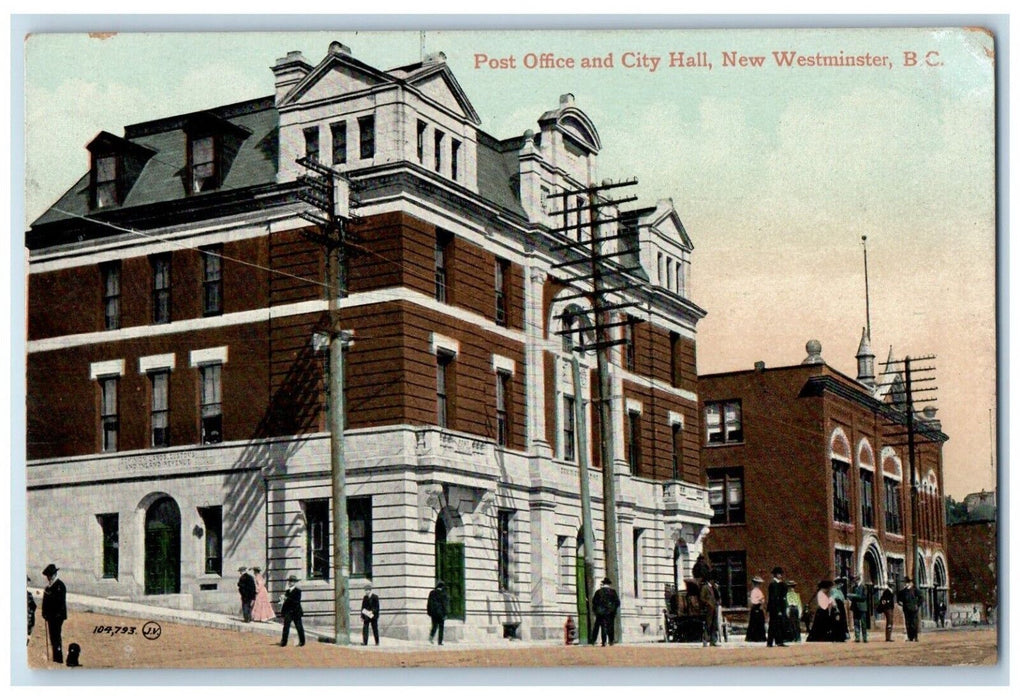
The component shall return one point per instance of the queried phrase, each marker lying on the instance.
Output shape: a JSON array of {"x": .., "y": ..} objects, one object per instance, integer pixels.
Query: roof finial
[{"x": 867, "y": 296}]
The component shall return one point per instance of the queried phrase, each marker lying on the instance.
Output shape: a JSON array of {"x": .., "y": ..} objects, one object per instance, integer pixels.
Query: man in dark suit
[
  {"x": 369, "y": 615},
  {"x": 246, "y": 587},
  {"x": 438, "y": 606},
  {"x": 708, "y": 598},
  {"x": 885, "y": 607},
  {"x": 290, "y": 608},
  {"x": 54, "y": 610},
  {"x": 604, "y": 605},
  {"x": 777, "y": 608},
  {"x": 910, "y": 600}
]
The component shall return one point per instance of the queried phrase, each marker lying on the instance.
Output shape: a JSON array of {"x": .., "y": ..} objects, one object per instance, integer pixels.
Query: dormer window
[
  {"x": 213, "y": 143},
  {"x": 202, "y": 156},
  {"x": 104, "y": 172},
  {"x": 116, "y": 164}
]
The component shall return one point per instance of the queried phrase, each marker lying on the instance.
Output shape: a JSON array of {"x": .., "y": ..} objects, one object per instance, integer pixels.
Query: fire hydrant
[{"x": 569, "y": 631}]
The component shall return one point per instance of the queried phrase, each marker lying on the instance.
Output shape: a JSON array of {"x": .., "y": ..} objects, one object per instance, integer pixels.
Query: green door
[
  {"x": 582, "y": 598},
  {"x": 450, "y": 569},
  {"x": 163, "y": 548}
]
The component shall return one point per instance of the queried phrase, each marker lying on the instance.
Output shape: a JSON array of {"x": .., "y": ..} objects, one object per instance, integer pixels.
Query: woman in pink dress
[{"x": 262, "y": 611}]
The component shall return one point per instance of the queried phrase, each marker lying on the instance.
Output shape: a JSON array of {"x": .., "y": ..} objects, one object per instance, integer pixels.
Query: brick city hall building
[
  {"x": 177, "y": 404},
  {"x": 808, "y": 469}
]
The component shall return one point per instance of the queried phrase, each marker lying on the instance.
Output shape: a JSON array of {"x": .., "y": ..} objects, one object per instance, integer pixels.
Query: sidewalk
[{"x": 317, "y": 632}]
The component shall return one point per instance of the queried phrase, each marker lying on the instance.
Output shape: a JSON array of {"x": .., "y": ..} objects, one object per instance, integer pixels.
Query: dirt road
[{"x": 183, "y": 646}]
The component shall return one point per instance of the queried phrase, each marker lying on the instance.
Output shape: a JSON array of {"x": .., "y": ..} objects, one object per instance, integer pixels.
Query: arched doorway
[
  {"x": 872, "y": 575},
  {"x": 450, "y": 562},
  {"x": 163, "y": 547},
  {"x": 941, "y": 589}
]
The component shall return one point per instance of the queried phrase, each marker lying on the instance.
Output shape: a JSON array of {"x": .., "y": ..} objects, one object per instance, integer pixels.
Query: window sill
[
  {"x": 724, "y": 444},
  {"x": 711, "y": 525}
]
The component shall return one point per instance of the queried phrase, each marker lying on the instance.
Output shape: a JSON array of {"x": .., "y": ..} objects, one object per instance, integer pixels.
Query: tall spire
[{"x": 867, "y": 295}]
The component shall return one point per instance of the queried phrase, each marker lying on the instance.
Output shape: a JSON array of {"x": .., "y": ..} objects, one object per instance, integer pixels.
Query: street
[{"x": 109, "y": 641}]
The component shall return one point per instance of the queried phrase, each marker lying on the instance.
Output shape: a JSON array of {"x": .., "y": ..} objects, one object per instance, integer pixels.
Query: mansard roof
[{"x": 163, "y": 178}]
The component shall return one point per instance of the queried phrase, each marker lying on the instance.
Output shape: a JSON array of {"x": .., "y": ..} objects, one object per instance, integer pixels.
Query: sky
[{"x": 776, "y": 171}]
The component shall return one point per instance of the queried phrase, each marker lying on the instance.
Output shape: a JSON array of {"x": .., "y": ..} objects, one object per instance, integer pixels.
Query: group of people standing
[
  {"x": 836, "y": 604},
  {"x": 778, "y": 608}
]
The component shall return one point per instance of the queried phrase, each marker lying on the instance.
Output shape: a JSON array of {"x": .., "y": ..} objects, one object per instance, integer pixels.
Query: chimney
[
  {"x": 759, "y": 366},
  {"x": 289, "y": 71},
  {"x": 432, "y": 58}
]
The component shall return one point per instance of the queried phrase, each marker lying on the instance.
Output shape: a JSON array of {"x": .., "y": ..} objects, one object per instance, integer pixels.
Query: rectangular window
[
  {"x": 109, "y": 422},
  {"x": 896, "y": 571},
  {"x": 161, "y": 288},
  {"x": 312, "y": 142},
  {"x": 893, "y": 512},
  {"x": 106, "y": 193},
  {"x": 505, "y": 553},
  {"x": 629, "y": 350},
  {"x": 203, "y": 164},
  {"x": 723, "y": 422},
  {"x": 211, "y": 404},
  {"x": 317, "y": 538},
  {"x": 212, "y": 523},
  {"x": 661, "y": 268},
  {"x": 844, "y": 563},
  {"x": 420, "y": 143},
  {"x": 443, "y": 362},
  {"x": 669, "y": 273},
  {"x": 563, "y": 562},
  {"x": 676, "y": 443},
  {"x": 359, "y": 518},
  {"x": 867, "y": 498},
  {"x": 111, "y": 295},
  {"x": 568, "y": 429},
  {"x": 110, "y": 522},
  {"x": 503, "y": 408},
  {"x": 338, "y": 130},
  {"x": 454, "y": 158},
  {"x": 502, "y": 291},
  {"x": 366, "y": 134},
  {"x": 634, "y": 441},
  {"x": 675, "y": 358},
  {"x": 160, "y": 416},
  {"x": 212, "y": 280},
  {"x": 639, "y": 563},
  {"x": 726, "y": 495},
  {"x": 443, "y": 241},
  {"x": 438, "y": 150},
  {"x": 730, "y": 569},
  {"x": 840, "y": 491}
]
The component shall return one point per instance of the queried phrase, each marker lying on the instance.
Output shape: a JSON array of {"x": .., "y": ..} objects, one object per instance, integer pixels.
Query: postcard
[{"x": 543, "y": 348}]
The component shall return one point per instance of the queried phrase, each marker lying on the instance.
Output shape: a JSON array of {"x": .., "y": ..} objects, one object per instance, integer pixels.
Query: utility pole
[
  {"x": 329, "y": 192},
  {"x": 586, "y": 523},
  {"x": 597, "y": 270},
  {"x": 910, "y": 389}
]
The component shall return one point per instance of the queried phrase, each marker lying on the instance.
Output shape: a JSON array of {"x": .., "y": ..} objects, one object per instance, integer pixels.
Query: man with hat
[
  {"x": 247, "y": 589},
  {"x": 777, "y": 609},
  {"x": 54, "y": 610},
  {"x": 290, "y": 608},
  {"x": 604, "y": 605},
  {"x": 910, "y": 600},
  {"x": 369, "y": 615},
  {"x": 438, "y": 606},
  {"x": 708, "y": 597},
  {"x": 859, "y": 605},
  {"x": 886, "y": 605}
]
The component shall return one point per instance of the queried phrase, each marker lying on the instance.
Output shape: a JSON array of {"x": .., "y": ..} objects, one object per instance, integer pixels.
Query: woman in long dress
[
  {"x": 821, "y": 622},
  {"x": 756, "y": 618},
  {"x": 793, "y": 612},
  {"x": 262, "y": 610}
]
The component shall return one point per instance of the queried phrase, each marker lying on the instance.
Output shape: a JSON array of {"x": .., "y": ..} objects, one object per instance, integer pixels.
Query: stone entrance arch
[{"x": 163, "y": 547}]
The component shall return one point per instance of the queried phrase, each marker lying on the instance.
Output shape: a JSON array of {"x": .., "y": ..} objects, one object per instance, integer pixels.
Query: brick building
[
  {"x": 807, "y": 470},
  {"x": 972, "y": 549},
  {"x": 176, "y": 399}
]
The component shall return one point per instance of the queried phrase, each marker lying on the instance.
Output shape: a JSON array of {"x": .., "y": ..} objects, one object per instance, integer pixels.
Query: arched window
[{"x": 839, "y": 453}]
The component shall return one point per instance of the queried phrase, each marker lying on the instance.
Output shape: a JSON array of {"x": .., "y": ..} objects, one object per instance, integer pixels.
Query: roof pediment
[
  {"x": 666, "y": 222},
  {"x": 337, "y": 74},
  {"x": 573, "y": 123},
  {"x": 438, "y": 84}
]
